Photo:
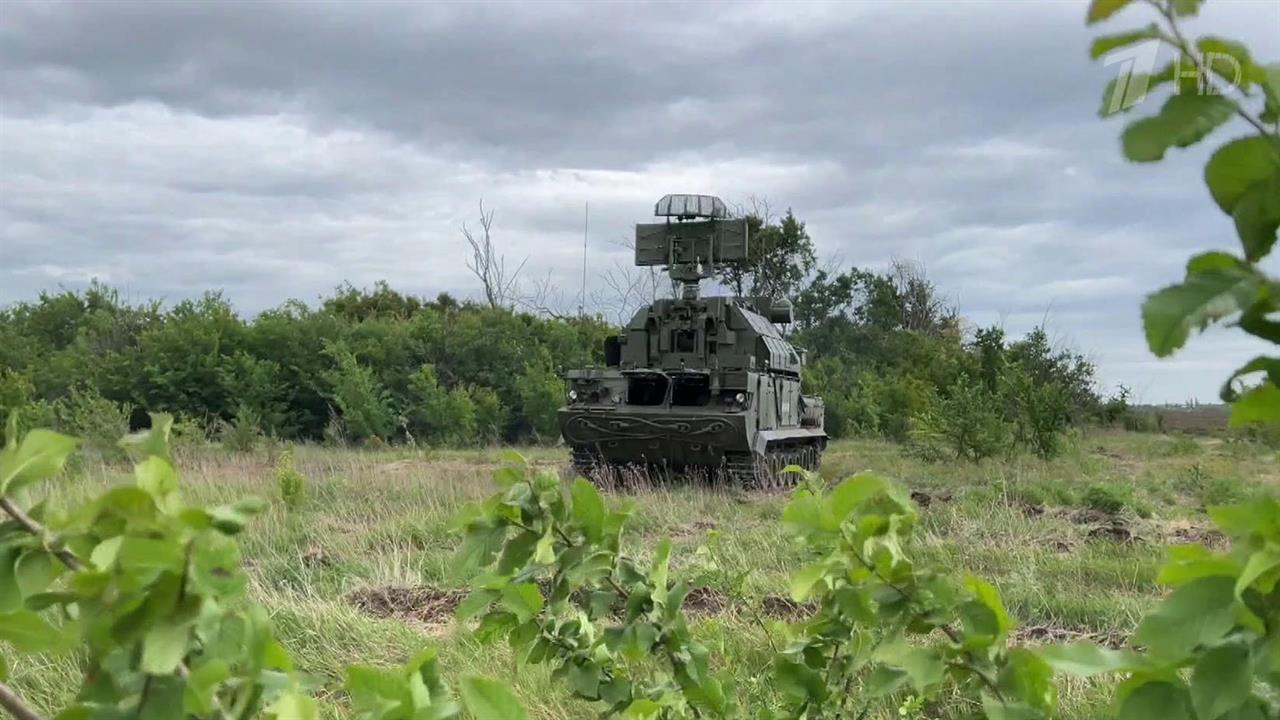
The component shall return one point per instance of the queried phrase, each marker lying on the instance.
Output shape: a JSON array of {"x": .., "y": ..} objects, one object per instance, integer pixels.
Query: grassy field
[{"x": 363, "y": 571}]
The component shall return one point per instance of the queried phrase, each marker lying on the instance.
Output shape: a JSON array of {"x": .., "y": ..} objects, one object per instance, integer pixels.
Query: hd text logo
[{"x": 1137, "y": 74}]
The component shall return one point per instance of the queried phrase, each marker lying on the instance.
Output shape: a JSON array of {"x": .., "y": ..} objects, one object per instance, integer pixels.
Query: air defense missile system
[{"x": 695, "y": 383}]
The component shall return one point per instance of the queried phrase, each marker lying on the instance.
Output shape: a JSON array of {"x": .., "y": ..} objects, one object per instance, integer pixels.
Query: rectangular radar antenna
[{"x": 702, "y": 238}]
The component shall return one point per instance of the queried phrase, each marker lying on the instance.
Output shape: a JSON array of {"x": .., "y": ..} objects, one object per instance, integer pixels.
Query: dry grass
[{"x": 362, "y": 571}]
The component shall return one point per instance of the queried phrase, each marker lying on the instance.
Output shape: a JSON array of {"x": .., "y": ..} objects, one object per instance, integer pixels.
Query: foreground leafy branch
[{"x": 1213, "y": 80}]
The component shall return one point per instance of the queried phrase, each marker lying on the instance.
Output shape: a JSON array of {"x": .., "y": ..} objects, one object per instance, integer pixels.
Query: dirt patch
[
  {"x": 315, "y": 557},
  {"x": 925, "y": 499},
  {"x": 427, "y": 605},
  {"x": 693, "y": 529},
  {"x": 705, "y": 601},
  {"x": 1114, "y": 531},
  {"x": 1091, "y": 516},
  {"x": 1031, "y": 510},
  {"x": 782, "y": 607},
  {"x": 1052, "y": 634},
  {"x": 1185, "y": 532}
]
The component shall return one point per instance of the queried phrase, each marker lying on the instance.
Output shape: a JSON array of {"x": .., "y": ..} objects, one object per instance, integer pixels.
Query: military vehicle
[{"x": 692, "y": 382}]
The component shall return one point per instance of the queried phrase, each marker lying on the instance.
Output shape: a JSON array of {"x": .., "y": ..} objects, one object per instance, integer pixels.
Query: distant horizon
[{"x": 249, "y": 314}]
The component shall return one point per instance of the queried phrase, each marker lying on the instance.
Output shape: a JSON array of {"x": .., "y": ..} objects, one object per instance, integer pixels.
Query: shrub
[
  {"x": 1109, "y": 498},
  {"x": 290, "y": 483},
  {"x": 541, "y": 395},
  {"x": 85, "y": 413},
  {"x": 362, "y": 401},
  {"x": 1040, "y": 412},
  {"x": 968, "y": 422},
  {"x": 243, "y": 432}
]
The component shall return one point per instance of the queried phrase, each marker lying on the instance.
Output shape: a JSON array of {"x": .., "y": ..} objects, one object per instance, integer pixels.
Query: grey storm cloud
[{"x": 275, "y": 150}]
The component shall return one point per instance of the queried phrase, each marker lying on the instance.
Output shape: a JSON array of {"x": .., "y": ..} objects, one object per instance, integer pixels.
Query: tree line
[{"x": 887, "y": 352}]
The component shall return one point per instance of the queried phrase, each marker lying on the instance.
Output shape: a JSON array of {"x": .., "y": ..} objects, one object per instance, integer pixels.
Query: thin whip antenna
[{"x": 586, "y": 225}]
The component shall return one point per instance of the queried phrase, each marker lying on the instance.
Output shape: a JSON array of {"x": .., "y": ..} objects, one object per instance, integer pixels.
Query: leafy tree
[
  {"x": 541, "y": 395},
  {"x": 363, "y": 404},
  {"x": 779, "y": 256}
]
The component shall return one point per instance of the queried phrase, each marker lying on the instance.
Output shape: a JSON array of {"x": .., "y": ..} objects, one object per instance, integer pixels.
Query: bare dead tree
[
  {"x": 489, "y": 266},
  {"x": 626, "y": 288},
  {"x": 923, "y": 307},
  {"x": 544, "y": 297}
]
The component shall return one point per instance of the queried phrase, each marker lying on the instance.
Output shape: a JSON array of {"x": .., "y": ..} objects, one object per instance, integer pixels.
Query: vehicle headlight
[
  {"x": 740, "y": 398},
  {"x": 573, "y": 394},
  {"x": 617, "y": 398}
]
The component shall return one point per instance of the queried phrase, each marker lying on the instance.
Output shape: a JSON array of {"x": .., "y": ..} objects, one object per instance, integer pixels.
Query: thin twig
[{"x": 10, "y": 701}]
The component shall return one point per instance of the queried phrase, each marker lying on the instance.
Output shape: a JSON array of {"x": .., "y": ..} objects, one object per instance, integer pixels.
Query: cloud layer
[{"x": 279, "y": 149}]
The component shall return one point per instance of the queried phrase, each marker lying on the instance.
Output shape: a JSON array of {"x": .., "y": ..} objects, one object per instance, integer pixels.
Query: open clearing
[{"x": 363, "y": 571}]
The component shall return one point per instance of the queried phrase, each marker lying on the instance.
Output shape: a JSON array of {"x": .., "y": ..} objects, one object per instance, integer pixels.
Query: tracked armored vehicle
[{"x": 695, "y": 383}]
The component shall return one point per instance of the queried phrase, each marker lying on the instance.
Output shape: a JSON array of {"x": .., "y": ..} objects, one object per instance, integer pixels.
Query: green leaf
[
  {"x": 1100, "y": 10},
  {"x": 1106, "y": 43},
  {"x": 588, "y": 509},
  {"x": 164, "y": 646},
  {"x": 10, "y": 593},
  {"x": 642, "y": 709},
  {"x": 156, "y": 476},
  {"x": 1083, "y": 658},
  {"x": 985, "y": 615},
  {"x": 477, "y": 601},
  {"x": 30, "y": 633},
  {"x": 803, "y": 581},
  {"x": 544, "y": 553},
  {"x": 1169, "y": 315},
  {"x": 1261, "y": 363},
  {"x": 202, "y": 683},
  {"x": 1183, "y": 120},
  {"x": 1270, "y": 82},
  {"x": 1260, "y": 563},
  {"x": 146, "y": 554},
  {"x": 34, "y": 571},
  {"x": 851, "y": 493},
  {"x": 1028, "y": 678},
  {"x": 374, "y": 691},
  {"x": 800, "y": 682},
  {"x": 995, "y": 709},
  {"x": 294, "y": 706},
  {"x": 1221, "y": 681},
  {"x": 40, "y": 455},
  {"x": 523, "y": 600},
  {"x": 1190, "y": 562},
  {"x": 1257, "y": 215},
  {"x": 153, "y": 440},
  {"x": 1260, "y": 404},
  {"x": 490, "y": 700},
  {"x": 1214, "y": 260},
  {"x": 480, "y": 546},
  {"x": 924, "y": 666},
  {"x": 1237, "y": 166},
  {"x": 1183, "y": 8},
  {"x": 1156, "y": 700},
  {"x": 1230, "y": 60},
  {"x": 1198, "y": 613}
]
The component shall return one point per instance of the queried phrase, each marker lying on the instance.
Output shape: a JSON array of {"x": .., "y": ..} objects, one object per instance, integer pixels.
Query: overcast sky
[{"x": 275, "y": 150}]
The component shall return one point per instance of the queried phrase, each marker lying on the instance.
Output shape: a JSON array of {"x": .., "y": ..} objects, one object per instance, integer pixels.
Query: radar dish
[{"x": 690, "y": 206}]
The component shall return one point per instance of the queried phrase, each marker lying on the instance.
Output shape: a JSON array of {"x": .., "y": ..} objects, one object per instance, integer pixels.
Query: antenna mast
[{"x": 586, "y": 224}]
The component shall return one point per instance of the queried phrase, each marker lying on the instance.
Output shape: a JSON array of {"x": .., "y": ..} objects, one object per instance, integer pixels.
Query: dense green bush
[
  {"x": 342, "y": 370},
  {"x": 968, "y": 422}
]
